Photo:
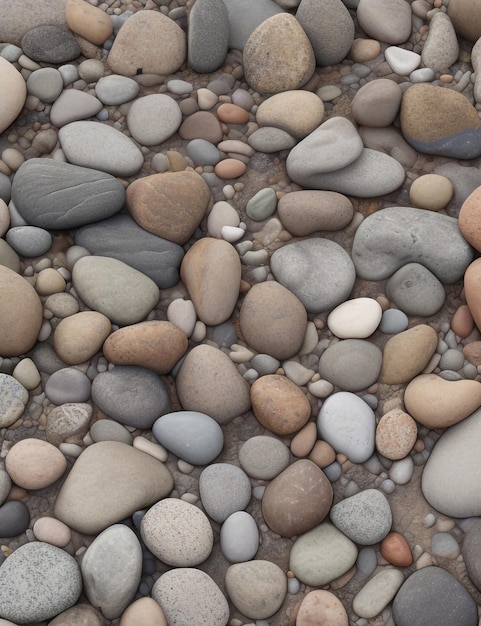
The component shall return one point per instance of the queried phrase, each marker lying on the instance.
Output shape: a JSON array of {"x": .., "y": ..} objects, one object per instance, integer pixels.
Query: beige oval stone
[
  {"x": 27, "y": 374},
  {"x": 296, "y": 111},
  {"x": 232, "y": 114},
  {"x": 52, "y": 531},
  {"x": 78, "y": 337},
  {"x": 431, "y": 191},
  {"x": 34, "y": 463},
  {"x": 88, "y": 21},
  {"x": 298, "y": 499},
  {"x": 279, "y": 404},
  {"x": 49, "y": 281},
  {"x": 407, "y": 354},
  {"x": 209, "y": 382},
  {"x": 230, "y": 168},
  {"x": 143, "y": 611},
  {"x": 278, "y": 56},
  {"x": 170, "y": 205},
  {"x": 462, "y": 322},
  {"x": 363, "y": 50},
  {"x": 14, "y": 93},
  {"x": 156, "y": 345},
  {"x": 472, "y": 351},
  {"x": 273, "y": 320},
  {"x": 304, "y": 440},
  {"x": 321, "y": 608},
  {"x": 439, "y": 403},
  {"x": 396, "y": 434},
  {"x": 308, "y": 211},
  {"x": 472, "y": 290},
  {"x": 322, "y": 454},
  {"x": 211, "y": 272},
  {"x": 21, "y": 314}
]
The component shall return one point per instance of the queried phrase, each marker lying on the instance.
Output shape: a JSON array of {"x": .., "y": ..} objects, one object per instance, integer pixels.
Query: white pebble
[{"x": 401, "y": 471}]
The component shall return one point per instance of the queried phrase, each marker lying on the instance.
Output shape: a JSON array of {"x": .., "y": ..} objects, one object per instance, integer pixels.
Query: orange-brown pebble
[
  {"x": 322, "y": 454},
  {"x": 396, "y": 434},
  {"x": 230, "y": 168},
  {"x": 462, "y": 322},
  {"x": 304, "y": 440},
  {"x": 395, "y": 549},
  {"x": 232, "y": 114},
  {"x": 321, "y": 608}
]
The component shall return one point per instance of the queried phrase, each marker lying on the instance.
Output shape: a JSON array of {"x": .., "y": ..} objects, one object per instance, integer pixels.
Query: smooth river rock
[{"x": 407, "y": 353}]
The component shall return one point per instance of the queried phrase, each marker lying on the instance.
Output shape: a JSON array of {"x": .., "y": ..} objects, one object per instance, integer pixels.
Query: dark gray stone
[
  {"x": 14, "y": 518},
  {"x": 433, "y": 597},
  {"x": 415, "y": 290},
  {"x": 61, "y": 196},
  {"x": 351, "y": 364},
  {"x": 208, "y": 35},
  {"x": 471, "y": 551},
  {"x": 121, "y": 238},
  {"x": 131, "y": 395},
  {"x": 5, "y": 188},
  {"x": 50, "y": 44}
]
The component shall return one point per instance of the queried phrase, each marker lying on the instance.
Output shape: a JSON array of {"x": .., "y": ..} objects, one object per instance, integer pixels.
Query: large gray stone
[
  {"x": 27, "y": 15},
  {"x": 60, "y": 196},
  {"x": 48, "y": 43},
  {"x": 208, "y": 35},
  {"x": 388, "y": 239}
]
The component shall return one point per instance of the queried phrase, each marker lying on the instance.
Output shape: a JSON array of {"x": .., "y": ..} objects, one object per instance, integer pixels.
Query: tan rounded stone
[
  {"x": 304, "y": 440},
  {"x": 395, "y": 549},
  {"x": 472, "y": 351},
  {"x": 21, "y": 314},
  {"x": 376, "y": 104},
  {"x": 156, "y": 345},
  {"x": 273, "y": 320},
  {"x": 211, "y": 272},
  {"x": 363, "y": 50},
  {"x": 466, "y": 18},
  {"x": 278, "y": 55},
  {"x": 322, "y": 454},
  {"x": 34, "y": 463},
  {"x": 396, "y": 434},
  {"x": 462, "y": 322},
  {"x": 298, "y": 499},
  {"x": 232, "y": 114},
  {"x": 439, "y": 403},
  {"x": 77, "y": 615},
  {"x": 78, "y": 337},
  {"x": 27, "y": 374},
  {"x": 88, "y": 21},
  {"x": 472, "y": 290},
  {"x": 230, "y": 168},
  {"x": 279, "y": 404},
  {"x": 170, "y": 205},
  {"x": 143, "y": 611},
  {"x": 297, "y": 112},
  {"x": 469, "y": 220},
  {"x": 209, "y": 382},
  {"x": 431, "y": 191},
  {"x": 305, "y": 212},
  {"x": 14, "y": 93},
  {"x": 68, "y": 422},
  {"x": 321, "y": 608},
  {"x": 52, "y": 531},
  {"x": 407, "y": 354}
]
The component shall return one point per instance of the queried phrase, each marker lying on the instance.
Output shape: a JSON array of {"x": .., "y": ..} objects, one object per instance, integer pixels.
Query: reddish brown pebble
[
  {"x": 395, "y": 549},
  {"x": 232, "y": 114},
  {"x": 462, "y": 323},
  {"x": 230, "y": 168},
  {"x": 322, "y": 454}
]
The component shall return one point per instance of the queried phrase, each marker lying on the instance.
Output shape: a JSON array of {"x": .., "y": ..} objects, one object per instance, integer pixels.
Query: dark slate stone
[
  {"x": 131, "y": 395},
  {"x": 433, "y": 597},
  {"x": 120, "y": 237},
  {"x": 14, "y": 518},
  {"x": 60, "y": 196},
  {"x": 471, "y": 551},
  {"x": 50, "y": 44}
]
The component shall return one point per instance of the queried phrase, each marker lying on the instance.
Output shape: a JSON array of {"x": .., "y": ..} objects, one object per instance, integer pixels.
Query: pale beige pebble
[
  {"x": 438, "y": 403},
  {"x": 431, "y": 191},
  {"x": 304, "y": 440},
  {"x": 49, "y": 281},
  {"x": 356, "y": 318},
  {"x": 396, "y": 434},
  {"x": 88, "y": 21},
  {"x": 78, "y": 337},
  {"x": 34, "y": 463},
  {"x": 322, "y": 454},
  {"x": 13, "y": 158},
  {"x": 4, "y": 169},
  {"x": 211, "y": 272},
  {"x": 321, "y": 608},
  {"x": 407, "y": 354},
  {"x": 296, "y": 111},
  {"x": 52, "y": 531},
  {"x": 222, "y": 214},
  {"x": 279, "y": 404},
  {"x": 363, "y": 50},
  {"x": 154, "y": 449},
  {"x": 4, "y": 217},
  {"x": 311, "y": 339},
  {"x": 230, "y": 168},
  {"x": 78, "y": 615},
  {"x": 27, "y": 374},
  {"x": 206, "y": 99},
  {"x": 21, "y": 314},
  {"x": 235, "y": 145},
  {"x": 181, "y": 312},
  {"x": 62, "y": 304},
  {"x": 240, "y": 354},
  {"x": 14, "y": 93},
  {"x": 462, "y": 322},
  {"x": 469, "y": 221},
  {"x": 425, "y": 560},
  {"x": 143, "y": 612},
  {"x": 320, "y": 388}
]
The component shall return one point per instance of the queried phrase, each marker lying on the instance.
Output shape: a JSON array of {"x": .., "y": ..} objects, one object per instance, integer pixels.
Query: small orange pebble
[
  {"x": 446, "y": 78},
  {"x": 462, "y": 322},
  {"x": 230, "y": 168},
  {"x": 395, "y": 549},
  {"x": 232, "y": 114}
]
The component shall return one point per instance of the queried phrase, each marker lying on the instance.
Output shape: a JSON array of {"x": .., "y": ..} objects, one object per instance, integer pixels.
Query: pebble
[
  {"x": 386, "y": 20},
  {"x": 208, "y": 21},
  {"x": 34, "y": 464},
  {"x": 27, "y": 374},
  {"x": 401, "y": 60},
  {"x": 224, "y": 489},
  {"x": 376, "y": 104},
  {"x": 111, "y": 570},
  {"x": 406, "y": 354},
  {"x": 239, "y": 537},
  {"x": 116, "y": 89},
  {"x": 432, "y": 192},
  {"x": 365, "y": 517},
  {"x": 348, "y": 424},
  {"x": 68, "y": 421},
  {"x": 395, "y": 549},
  {"x": 282, "y": 111},
  {"x": 377, "y": 593},
  {"x": 143, "y": 611},
  {"x": 323, "y": 608},
  {"x": 48, "y": 43},
  {"x": 88, "y": 21},
  {"x": 29, "y": 241},
  {"x": 14, "y": 518},
  {"x": 94, "y": 495},
  {"x": 401, "y": 471},
  {"x": 305, "y": 212},
  {"x": 322, "y": 555},
  {"x": 13, "y": 400},
  {"x": 53, "y": 531},
  {"x": 68, "y": 384},
  {"x": 445, "y": 545},
  {"x": 108, "y": 430},
  {"x": 357, "y": 318},
  {"x": 441, "y": 48},
  {"x": 415, "y": 290},
  {"x": 12, "y": 84},
  {"x": 396, "y": 433},
  {"x": 264, "y": 457},
  {"x": 351, "y": 364},
  {"x": 262, "y": 205},
  {"x": 80, "y": 336},
  {"x": 270, "y": 139},
  {"x": 153, "y": 119}
]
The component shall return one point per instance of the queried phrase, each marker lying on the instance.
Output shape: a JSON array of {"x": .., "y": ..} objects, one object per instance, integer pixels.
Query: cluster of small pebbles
[{"x": 240, "y": 312}]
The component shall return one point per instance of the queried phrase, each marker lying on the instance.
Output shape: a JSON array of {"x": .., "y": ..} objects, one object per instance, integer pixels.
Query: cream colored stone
[
  {"x": 431, "y": 191},
  {"x": 27, "y": 374},
  {"x": 88, "y": 21},
  {"x": 52, "y": 531},
  {"x": 34, "y": 463},
  {"x": 78, "y": 337},
  {"x": 14, "y": 93},
  {"x": 49, "y": 281},
  {"x": 296, "y": 111},
  {"x": 145, "y": 611}
]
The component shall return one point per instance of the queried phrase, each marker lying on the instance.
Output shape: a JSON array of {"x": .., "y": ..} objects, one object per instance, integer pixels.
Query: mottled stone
[
  {"x": 407, "y": 354},
  {"x": 308, "y": 211}
]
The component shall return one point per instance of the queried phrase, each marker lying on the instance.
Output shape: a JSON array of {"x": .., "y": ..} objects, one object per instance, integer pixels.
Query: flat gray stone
[
  {"x": 49, "y": 43},
  {"x": 239, "y": 537},
  {"x": 270, "y": 139},
  {"x": 73, "y": 105},
  {"x": 351, "y": 364},
  {"x": 131, "y": 395},
  {"x": 208, "y": 36},
  {"x": 318, "y": 271},
  {"x": 153, "y": 119},
  {"x": 415, "y": 290},
  {"x": 120, "y": 237},
  {"x": 116, "y": 89},
  {"x": 109, "y": 430},
  {"x": 388, "y": 239},
  {"x": 37, "y": 582},
  {"x": 68, "y": 385},
  {"x": 29, "y": 241},
  {"x": 264, "y": 457},
  {"x": 224, "y": 489},
  {"x": 60, "y": 196},
  {"x": 365, "y": 517},
  {"x": 45, "y": 83}
]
